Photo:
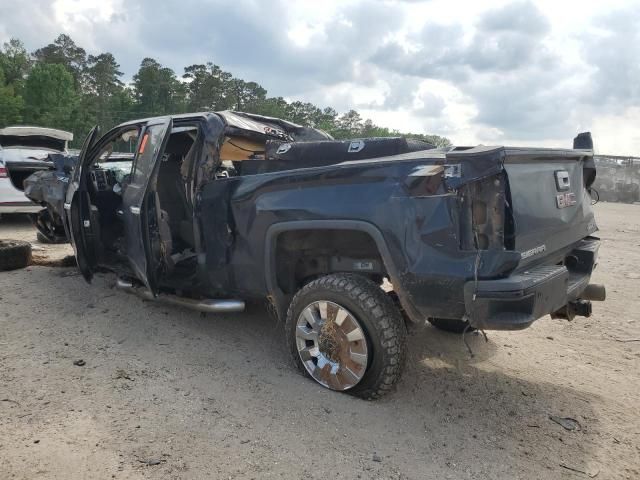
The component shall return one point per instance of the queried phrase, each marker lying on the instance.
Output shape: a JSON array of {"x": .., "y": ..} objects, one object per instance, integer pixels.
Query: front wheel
[{"x": 345, "y": 333}]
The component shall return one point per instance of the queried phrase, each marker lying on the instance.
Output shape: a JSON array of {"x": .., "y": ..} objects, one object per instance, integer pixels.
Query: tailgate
[{"x": 550, "y": 202}]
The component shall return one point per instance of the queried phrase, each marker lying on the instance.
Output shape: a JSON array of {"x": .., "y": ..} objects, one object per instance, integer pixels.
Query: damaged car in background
[
  {"x": 215, "y": 209},
  {"x": 48, "y": 189},
  {"x": 25, "y": 150}
]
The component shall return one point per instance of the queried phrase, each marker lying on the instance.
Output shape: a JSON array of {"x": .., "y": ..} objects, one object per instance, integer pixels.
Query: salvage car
[
  {"x": 23, "y": 151},
  {"x": 215, "y": 209}
]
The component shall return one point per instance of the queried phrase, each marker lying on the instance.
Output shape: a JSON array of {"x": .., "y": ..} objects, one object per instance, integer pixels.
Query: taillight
[
  {"x": 3, "y": 172},
  {"x": 482, "y": 214}
]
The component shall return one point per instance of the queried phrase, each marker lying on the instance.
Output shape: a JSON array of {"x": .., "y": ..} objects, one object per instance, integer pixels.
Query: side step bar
[{"x": 204, "y": 305}]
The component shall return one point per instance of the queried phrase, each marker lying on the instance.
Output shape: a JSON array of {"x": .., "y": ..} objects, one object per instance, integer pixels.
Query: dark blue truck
[{"x": 215, "y": 209}]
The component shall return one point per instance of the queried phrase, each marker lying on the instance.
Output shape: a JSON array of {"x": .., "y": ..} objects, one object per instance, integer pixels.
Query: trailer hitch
[{"x": 576, "y": 308}]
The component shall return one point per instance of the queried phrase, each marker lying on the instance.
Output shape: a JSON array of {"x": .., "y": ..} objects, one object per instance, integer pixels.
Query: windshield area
[
  {"x": 120, "y": 148},
  {"x": 111, "y": 166}
]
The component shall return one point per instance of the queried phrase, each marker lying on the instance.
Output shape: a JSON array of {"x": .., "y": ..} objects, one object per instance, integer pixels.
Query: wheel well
[{"x": 302, "y": 255}]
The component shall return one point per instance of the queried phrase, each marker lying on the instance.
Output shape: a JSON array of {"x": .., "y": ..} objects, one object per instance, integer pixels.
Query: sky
[{"x": 490, "y": 72}]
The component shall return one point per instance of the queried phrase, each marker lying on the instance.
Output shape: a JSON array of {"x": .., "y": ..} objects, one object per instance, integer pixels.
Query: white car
[{"x": 23, "y": 151}]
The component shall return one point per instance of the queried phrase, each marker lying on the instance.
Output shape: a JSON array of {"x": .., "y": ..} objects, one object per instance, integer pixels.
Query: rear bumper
[
  {"x": 19, "y": 207},
  {"x": 515, "y": 302},
  {"x": 13, "y": 200}
]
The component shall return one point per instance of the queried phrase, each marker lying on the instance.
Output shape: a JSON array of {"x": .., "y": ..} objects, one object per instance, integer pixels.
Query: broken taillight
[{"x": 484, "y": 214}]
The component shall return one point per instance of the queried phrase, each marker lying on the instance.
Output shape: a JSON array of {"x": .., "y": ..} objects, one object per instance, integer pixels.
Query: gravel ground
[{"x": 169, "y": 393}]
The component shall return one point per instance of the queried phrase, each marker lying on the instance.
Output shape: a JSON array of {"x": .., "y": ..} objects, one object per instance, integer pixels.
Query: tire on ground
[
  {"x": 378, "y": 317},
  {"x": 14, "y": 254},
  {"x": 450, "y": 325}
]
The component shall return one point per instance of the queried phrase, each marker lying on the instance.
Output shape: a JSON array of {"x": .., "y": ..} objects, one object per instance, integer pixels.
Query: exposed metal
[{"x": 595, "y": 292}]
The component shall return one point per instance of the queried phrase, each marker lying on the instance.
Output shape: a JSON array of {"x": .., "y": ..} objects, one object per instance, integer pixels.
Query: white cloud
[
  {"x": 523, "y": 72},
  {"x": 617, "y": 132}
]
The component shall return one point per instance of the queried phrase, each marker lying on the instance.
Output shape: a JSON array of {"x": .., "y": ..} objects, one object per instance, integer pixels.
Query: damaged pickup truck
[{"x": 215, "y": 209}]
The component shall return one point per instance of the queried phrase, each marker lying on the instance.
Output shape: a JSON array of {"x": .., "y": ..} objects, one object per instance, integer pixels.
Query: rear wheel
[
  {"x": 42, "y": 238},
  {"x": 451, "y": 325},
  {"x": 346, "y": 334},
  {"x": 50, "y": 230}
]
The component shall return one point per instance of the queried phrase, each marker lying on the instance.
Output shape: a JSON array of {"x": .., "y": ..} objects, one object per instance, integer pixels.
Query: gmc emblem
[{"x": 564, "y": 200}]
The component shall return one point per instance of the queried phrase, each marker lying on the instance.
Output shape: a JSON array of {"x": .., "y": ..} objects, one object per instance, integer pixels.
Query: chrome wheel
[{"x": 332, "y": 345}]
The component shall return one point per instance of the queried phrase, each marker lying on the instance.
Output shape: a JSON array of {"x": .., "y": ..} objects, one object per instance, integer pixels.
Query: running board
[{"x": 205, "y": 305}]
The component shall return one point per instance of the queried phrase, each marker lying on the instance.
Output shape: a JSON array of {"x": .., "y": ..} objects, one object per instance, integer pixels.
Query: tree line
[{"x": 61, "y": 86}]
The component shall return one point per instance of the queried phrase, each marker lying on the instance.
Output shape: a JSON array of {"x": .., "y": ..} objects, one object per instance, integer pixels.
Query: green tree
[
  {"x": 348, "y": 125},
  {"x": 306, "y": 114},
  {"x": 207, "y": 87},
  {"x": 156, "y": 89},
  {"x": 15, "y": 63},
  {"x": 11, "y": 105},
  {"x": 64, "y": 51},
  {"x": 327, "y": 120},
  {"x": 49, "y": 96},
  {"x": 274, "y": 107},
  {"x": 246, "y": 96},
  {"x": 39, "y": 91},
  {"x": 436, "y": 140},
  {"x": 369, "y": 129},
  {"x": 102, "y": 75},
  {"x": 103, "y": 89}
]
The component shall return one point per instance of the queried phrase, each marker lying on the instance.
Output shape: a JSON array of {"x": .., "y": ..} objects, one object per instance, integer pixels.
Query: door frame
[
  {"x": 78, "y": 211},
  {"x": 140, "y": 210}
]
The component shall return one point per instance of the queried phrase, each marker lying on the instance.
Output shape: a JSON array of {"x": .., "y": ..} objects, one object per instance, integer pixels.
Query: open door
[
  {"x": 140, "y": 203},
  {"x": 81, "y": 224}
]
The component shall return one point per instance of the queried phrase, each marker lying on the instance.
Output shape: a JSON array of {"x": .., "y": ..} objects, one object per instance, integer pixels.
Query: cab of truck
[{"x": 131, "y": 201}]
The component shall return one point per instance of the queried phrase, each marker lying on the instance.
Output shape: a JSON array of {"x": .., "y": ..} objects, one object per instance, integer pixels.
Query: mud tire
[
  {"x": 14, "y": 254},
  {"x": 378, "y": 316}
]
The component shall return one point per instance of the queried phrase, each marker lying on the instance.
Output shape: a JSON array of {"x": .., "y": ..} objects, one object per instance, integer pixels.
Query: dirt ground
[{"x": 169, "y": 393}]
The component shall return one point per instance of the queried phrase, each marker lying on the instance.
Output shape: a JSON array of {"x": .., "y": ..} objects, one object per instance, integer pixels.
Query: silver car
[{"x": 23, "y": 151}]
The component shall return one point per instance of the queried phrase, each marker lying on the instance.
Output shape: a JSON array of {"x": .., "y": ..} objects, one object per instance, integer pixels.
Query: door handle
[{"x": 135, "y": 210}]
